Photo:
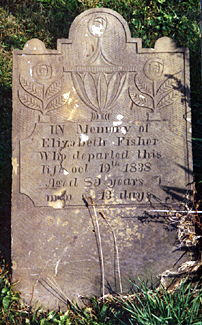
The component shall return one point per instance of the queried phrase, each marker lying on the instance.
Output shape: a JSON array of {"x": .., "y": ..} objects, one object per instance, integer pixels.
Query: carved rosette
[
  {"x": 97, "y": 25},
  {"x": 37, "y": 95}
]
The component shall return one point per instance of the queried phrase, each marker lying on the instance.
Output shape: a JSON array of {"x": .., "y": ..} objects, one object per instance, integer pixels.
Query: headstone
[{"x": 101, "y": 149}]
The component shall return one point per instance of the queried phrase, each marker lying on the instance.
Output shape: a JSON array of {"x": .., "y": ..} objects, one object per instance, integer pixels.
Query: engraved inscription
[{"x": 113, "y": 164}]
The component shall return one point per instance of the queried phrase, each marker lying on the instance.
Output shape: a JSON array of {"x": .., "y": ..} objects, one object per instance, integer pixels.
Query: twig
[
  {"x": 117, "y": 252},
  {"x": 100, "y": 244},
  {"x": 58, "y": 288},
  {"x": 176, "y": 211}
]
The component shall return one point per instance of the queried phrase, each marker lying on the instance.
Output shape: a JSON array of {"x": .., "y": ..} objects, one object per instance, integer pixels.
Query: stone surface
[{"x": 101, "y": 143}]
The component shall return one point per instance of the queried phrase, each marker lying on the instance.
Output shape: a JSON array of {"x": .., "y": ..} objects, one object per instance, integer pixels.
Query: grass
[
  {"x": 162, "y": 307},
  {"x": 149, "y": 307}
]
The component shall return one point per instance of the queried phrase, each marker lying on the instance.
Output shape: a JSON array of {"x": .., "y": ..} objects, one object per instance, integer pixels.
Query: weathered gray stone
[{"x": 101, "y": 139}]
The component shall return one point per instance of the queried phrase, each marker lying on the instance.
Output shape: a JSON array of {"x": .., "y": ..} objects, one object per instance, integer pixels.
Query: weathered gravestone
[{"x": 101, "y": 140}]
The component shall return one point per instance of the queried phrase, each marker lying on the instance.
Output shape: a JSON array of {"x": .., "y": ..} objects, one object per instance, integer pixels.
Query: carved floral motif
[
  {"x": 148, "y": 95},
  {"x": 99, "y": 91},
  {"x": 97, "y": 25},
  {"x": 39, "y": 97}
]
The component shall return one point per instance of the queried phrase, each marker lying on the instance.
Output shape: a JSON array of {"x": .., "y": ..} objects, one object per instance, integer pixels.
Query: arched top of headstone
[
  {"x": 102, "y": 36},
  {"x": 98, "y": 37},
  {"x": 100, "y": 23}
]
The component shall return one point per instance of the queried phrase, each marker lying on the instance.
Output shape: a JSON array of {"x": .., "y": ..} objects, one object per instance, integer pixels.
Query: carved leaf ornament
[
  {"x": 141, "y": 99},
  {"x": 96, "y": 91},
  {"x": 147, "y": 95},
  {"x": 33, "y": 89},
  {"x": 142, "y": 86},
  {"x": 36, "y": 97},
  {"x": 30, "y": 101}
]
